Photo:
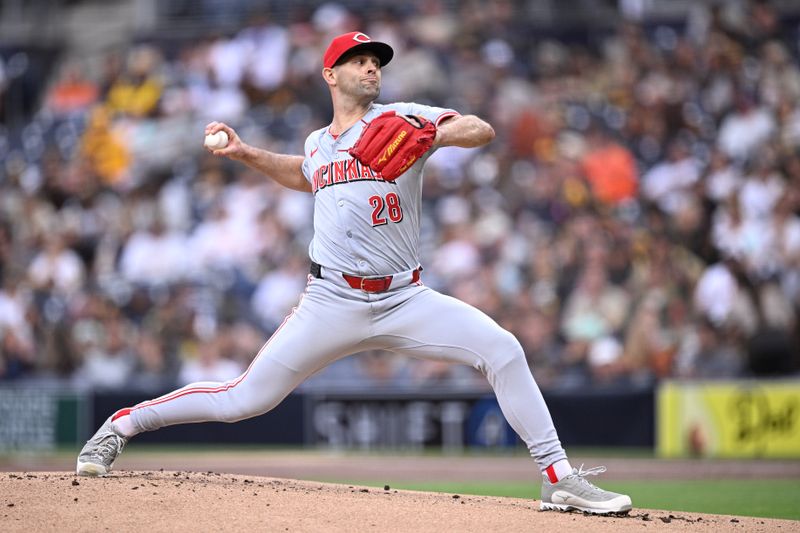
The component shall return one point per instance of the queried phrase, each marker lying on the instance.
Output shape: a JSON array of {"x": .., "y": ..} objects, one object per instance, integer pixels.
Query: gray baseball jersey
[
  {"x": 362, "y": 224},
  {"x": 366, "y": 226}
]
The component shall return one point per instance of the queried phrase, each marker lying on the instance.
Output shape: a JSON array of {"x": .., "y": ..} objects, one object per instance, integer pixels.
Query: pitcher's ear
[{"x": 329, "y": 76}]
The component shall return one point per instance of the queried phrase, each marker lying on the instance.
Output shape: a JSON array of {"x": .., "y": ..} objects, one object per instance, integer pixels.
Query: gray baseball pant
[{"x": 331, "y": 321}]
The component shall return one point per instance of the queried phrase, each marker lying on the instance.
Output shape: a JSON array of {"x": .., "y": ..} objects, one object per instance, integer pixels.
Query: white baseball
[{"x": 216, "y": 141}]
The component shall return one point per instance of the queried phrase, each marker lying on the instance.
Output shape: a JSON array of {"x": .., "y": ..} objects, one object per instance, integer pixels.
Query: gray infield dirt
[
  {"x": 180, "y": 501},
  {"x": 273, "y": 491}
]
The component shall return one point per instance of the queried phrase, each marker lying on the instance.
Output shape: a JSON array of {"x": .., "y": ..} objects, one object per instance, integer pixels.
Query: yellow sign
[{"x": 728, "y": 419}]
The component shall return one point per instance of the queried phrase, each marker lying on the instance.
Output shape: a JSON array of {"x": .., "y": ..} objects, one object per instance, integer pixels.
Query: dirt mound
[{"x": 177, "y": 501}]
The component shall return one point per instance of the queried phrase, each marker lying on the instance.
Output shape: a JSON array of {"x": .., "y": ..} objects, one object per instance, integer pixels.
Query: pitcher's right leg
[{"x": 295, "y": 351}]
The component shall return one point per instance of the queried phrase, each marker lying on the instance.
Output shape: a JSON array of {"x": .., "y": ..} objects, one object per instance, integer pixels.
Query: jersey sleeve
[
  {"x": 434, "y": 114},
  {"x": 308, "y": 148},
  {"x": 306, "y": 167}
]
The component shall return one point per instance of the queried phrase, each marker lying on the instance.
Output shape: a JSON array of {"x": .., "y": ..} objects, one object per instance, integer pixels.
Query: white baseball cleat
[
  {"x": 98, "y": 455},
  {"x": 575, "y": 493}
]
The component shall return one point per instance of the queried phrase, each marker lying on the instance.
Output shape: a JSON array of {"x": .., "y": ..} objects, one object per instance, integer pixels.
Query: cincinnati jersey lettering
[{"x": 346, "y": 171}]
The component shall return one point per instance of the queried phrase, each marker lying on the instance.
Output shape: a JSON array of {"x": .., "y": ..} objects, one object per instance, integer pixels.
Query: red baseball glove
[{"x": 391, "y": 143}]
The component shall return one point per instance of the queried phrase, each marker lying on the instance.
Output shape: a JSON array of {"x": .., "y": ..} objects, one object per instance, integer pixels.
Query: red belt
[
  {"x": 367, "y": 284},
  {"x": 379, "y": 284}
]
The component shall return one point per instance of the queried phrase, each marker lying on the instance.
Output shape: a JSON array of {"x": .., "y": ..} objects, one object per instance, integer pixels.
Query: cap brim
[{"x": 382, "y": 50}]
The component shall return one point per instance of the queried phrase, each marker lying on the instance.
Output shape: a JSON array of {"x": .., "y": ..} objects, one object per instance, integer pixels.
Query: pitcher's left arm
[{"x": 465, "y": 131}]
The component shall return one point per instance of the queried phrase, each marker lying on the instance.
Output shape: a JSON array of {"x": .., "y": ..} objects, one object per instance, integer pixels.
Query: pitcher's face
[{"x": 359, "y": 76}]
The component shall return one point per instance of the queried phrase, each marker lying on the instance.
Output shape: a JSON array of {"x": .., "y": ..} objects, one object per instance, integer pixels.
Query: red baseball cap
[{"x": 352, "y": 41}]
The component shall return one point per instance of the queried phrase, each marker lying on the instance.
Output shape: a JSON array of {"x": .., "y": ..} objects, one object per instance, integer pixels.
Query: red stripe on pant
[{"x": 121, "y": 412}]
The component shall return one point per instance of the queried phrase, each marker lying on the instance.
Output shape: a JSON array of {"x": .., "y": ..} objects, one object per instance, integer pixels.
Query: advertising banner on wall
[
  {"x": 454, "y": 420},
  {"x": 40, "y": 418},
  {"x": 370, "y": 421},
  {"x": 729, "y": 419}
]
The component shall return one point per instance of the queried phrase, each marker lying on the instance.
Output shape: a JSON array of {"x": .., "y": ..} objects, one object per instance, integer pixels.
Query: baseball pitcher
[{"x": 365, "y": 172}]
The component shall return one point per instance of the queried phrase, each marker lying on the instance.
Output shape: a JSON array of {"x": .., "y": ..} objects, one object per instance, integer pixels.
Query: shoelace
[
  {"x": 109, "y": 446},
  {"x": 581, "y": 474},
  {"x": 591, "y": 472}
]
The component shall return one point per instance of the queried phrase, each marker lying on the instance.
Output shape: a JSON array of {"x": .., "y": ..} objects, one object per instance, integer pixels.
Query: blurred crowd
[{"x": 636, "y": 218}]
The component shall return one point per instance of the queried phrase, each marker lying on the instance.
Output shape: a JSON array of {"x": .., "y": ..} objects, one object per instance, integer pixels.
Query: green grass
[{"x": 763, "y": 498}]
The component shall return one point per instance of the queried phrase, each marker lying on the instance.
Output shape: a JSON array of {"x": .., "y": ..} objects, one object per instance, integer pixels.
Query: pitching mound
[{"x": 181, "y": 501}]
